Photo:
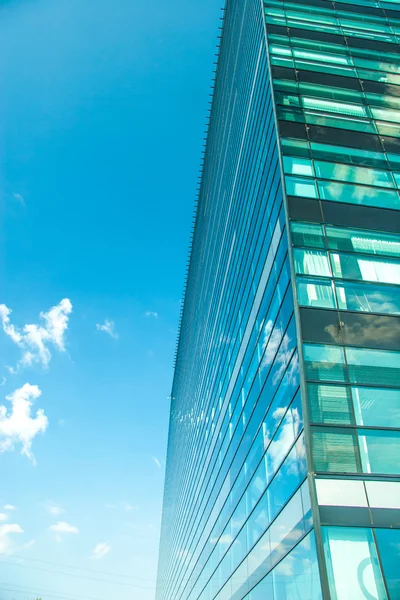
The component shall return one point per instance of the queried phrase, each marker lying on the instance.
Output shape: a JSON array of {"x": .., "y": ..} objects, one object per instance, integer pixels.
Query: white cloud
[
  {"x": 9, "y": 507},
  {"x": 54, "y": 509},
  {"x": 63, "y": 528},
  {"x": 151, "y": 313},
  {"x": 3, "y": 517},
  {"x": 100, "y": 550},
  {"x": 6, "y": 542},
  {"x": 108, "y": 327},
  {"x": 18, "y": 426},
  {"x": 34, "y": 339},
  {"x": 157, "y": 462}
]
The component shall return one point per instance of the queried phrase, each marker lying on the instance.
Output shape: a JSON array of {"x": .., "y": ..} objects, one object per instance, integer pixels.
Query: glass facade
[{"x": 283, "y": 465}]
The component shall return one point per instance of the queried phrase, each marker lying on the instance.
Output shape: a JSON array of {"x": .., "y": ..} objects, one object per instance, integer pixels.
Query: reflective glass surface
[
  {"x": 337, "y": 88},
  {"x": 236, "y": 499}
]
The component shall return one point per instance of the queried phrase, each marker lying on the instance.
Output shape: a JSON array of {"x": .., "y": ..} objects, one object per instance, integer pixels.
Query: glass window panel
[
  {"x": 311, "y": 262},
  {"x": 368, "y": 298},
  {"x": 299, "y": 186},
  {"x": 315, "y": 292},
  {"x": 348, "y": 155},
  {"x": 307, "y": 234},
  {"x": 351, "y": 266},
  {"x": 295, "y": 147},
  {"x": 352, "y": 110},
  {"x": 329, "y": 404},
  {"x": 358, "y": 194},
  {"x": 297, "y": 576},
  {"x": 385, "y": 114},
  {"x": 376, "y": 367},
  {"x": 340, "y": 492},
  {"x": 298, "y": 166},
  {"x": 389, "y": 544},
  {"x": 353, "y": 567},
  {"x": 325, "y": 363},
  {"x": 357, "y": 240},
  {"x": 380, "y": 451},
  {"x": 379, "y": 407},
  {"x": 383, "y": 494},
  {"x": 335, "y": 450},
  {"x": 339, "y": 121},
  {"x": 353, "y": 174}
]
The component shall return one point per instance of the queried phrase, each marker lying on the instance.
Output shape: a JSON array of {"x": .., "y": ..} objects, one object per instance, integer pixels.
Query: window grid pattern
[
  {"x": 336, "y": 89},
  {"x": 236, "y": 500}
]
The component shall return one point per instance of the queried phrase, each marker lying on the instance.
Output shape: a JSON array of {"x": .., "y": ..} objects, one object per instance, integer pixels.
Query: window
[
  {"x": 329, "y": 404},
  {"x": 353, "y": 567},
  {"x": 307, "y": 234},
  {"x": 380, "y": 451},
  {"x": 388, "y": 544},
  {"x": 325, "y": 363},
  {"x": 376, "y": 367},
  {"x": 341, "y": 172},
  {"x": 335, "y": 450},
  {"x": 351, "y": 266},
  {"x": 341, "y": 492},
  {"x": 315, "y": 292},
  {"x": 298, "y": 166},
  {"x": 301, "y": 186},
  {"x": 383, "y": 494},
  {"x": 357, "y": 194},
  {"x": 378, "y": 407},
  {"x": 361, "y": 241},
  {"x": 368, "y": 297},
  {"x": 311, "y": 262}
]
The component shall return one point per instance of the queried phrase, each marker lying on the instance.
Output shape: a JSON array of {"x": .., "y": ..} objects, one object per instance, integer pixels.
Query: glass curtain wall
[
  {"x": 237, "y": 504},
  {"x": 336, "y": 81}
]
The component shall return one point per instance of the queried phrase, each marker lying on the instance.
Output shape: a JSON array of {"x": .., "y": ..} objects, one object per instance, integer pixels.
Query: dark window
[
  {"x": 369, "y": 44},
  {"x": 304, "y": 209},
  {"x": 320, "y": 326},
  {"x": 292, "y": 129},
  {"x": 370, "y": 331},
  {"x": 365, "y": 217},
  {"x": 329, "y": 80},
  {"x": 342, "y": 137}
]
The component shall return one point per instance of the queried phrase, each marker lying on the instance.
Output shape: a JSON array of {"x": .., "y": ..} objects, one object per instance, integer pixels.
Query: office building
[{"x": 283, "y": 466}]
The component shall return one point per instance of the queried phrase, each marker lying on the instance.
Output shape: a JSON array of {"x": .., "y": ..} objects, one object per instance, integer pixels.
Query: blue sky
[{"x": 102, "y": 113}]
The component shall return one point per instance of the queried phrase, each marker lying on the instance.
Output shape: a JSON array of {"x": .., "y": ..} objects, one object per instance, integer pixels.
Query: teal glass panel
[
  {"x": 298, "y": 166},
  {"x": 311, "y": 262},
  {"x": 329, "y": 404},
  {"x": 380, "y": 451},
  {"x": 376, "y": 367},
  {"x": 342, "y": 154},
  {"x": 315, "y": 292},
  {"x": 335, "y": 450},
  {"x": 365, "y": 297},
  {"x": 349, "y": 173},
  {"x": 295, "y": 147},
  {"x": 388, "y": 541},
  {"x": 308, "y": 234},
  {"x": 379, "y": 407},
  {"x": 325, "y": 363},
  {"x": 365, "y": 268},
  {"x": 301, "y": 186},
  {"x": 361, "y": 241},
  {"x": 358, "y": 194},
  {"x": 352, "y": 563}
]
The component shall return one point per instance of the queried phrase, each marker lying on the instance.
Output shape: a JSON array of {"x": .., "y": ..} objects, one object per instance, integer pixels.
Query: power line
[
  {"x": 65, "y": 566},
  {"x": 131, "y": 585},
  {"x": 24, "y": 590}
]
